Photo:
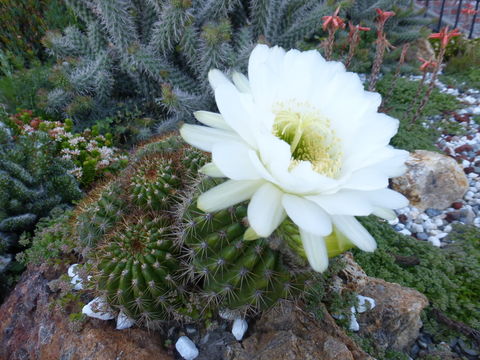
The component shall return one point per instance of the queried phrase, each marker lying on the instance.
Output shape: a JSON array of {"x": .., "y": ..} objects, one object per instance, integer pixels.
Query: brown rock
[
  {"x": 31, "y": 329},
  {"x": 432, "y": 180},
  {"x": 288, "y": 333},
  {"x": 394, "y": 322}
]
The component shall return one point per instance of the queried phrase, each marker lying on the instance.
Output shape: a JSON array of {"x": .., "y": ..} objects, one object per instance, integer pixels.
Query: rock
[
  {"x": 30, "y": 328},
  {"x": 432, "y": 180},
  {"x": 239, "y": 328},
  {"x": 186, "y": 348},
  {"x": 124, "y": 322},
  {"x": 394, "y": 322},
  {"x": 288, "y": 333},
  {"x": 98, "y": 308}
]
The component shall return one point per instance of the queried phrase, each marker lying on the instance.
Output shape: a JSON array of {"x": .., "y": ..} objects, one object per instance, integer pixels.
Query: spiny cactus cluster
[
  {"x": 159, "y": 52},
  {"x": 234, "y": 273},
  {"x": 154, "y": 255},
  {"x": 136, "y": 264}
]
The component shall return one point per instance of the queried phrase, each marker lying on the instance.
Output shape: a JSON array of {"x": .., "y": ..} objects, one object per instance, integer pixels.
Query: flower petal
[
  {"x": 211, "y": 170},
  {"x": 265, "y": 211},
  {"x": 229, "y": 193},
  {"x": 344, "y": 202},
  {"x": 217, "y": 78},
  {"x": 204, "y": 137},
  {"x": 211, "y": 119},
  {"x": 241, "y": 82},
  {"x": 316, "y": 250},
  {"x": 383, "y": 213},
  {"x": 233, "y": 160},
  {"x": 307, "y": 215},
  {"x": 355, "y": 232},
  {"x": 229, "y": 102}
]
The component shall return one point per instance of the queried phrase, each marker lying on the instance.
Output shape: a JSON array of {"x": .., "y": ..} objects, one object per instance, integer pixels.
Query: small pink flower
[
  {"x": 427, "y": 64},
  {"x": 383, "y": 16},
  {"x": 444, "y": 35},
  {"x": 333, "y": 22}
]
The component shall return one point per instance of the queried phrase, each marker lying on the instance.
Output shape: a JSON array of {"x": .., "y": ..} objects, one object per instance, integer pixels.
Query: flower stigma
[{"x": 310, "y": 136}]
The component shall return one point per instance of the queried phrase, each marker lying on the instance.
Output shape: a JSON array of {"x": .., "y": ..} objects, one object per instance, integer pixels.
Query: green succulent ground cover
[{"x": 449, "y": 276}]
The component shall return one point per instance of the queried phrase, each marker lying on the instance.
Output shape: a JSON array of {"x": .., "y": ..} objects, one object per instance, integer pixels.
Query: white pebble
[
  {"x": 393, "y": 222},
  {"x": 417, "y": 228},
  {"x": 124, "y": 322},
  {"x": 354, "y": 325},
  {"x": 447, "y": 228},
  {"x": 98, "y": 308},
  {"x": 72, "y": 271},
  {"x": 405, "y": 232},
  {"x": 239, "y": 328},
  {"x": 362, "y": 300},
  {"x": 434, "y": 241},
  {"x": 438, "y": 222},
  {"x": 472, "y": 175},
  {"x": 186, "y": 348}
]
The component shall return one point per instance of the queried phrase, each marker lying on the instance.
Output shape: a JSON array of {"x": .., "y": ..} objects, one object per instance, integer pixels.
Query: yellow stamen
[{"x": 310, "y": 136}]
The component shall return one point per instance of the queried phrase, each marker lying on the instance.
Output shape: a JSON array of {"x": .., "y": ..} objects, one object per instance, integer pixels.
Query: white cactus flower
[{"x": 300, "y": 137}]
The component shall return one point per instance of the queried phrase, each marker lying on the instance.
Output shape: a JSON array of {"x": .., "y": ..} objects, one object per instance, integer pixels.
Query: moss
[
  {"x": 52, "y": 238},
  {"x": 399, "y": 105},
  {"x": 449, "y": 277}
]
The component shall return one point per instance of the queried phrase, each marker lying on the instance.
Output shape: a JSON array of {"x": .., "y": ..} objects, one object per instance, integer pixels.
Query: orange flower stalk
[
  {"x": 445, "y": 36},
  {"x": 353, "y": 40},
  {"x": 331, "y": 24},
  {"x": 382, "y": 45}
]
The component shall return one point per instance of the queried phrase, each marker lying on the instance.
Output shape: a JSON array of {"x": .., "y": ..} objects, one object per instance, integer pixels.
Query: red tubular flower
[
  {"x": 469, "y": 9},
  {"x": 444, "y": 35},
  {"x": 333, "y": 22},
  {"x": 355, "y": 28},
  {"x": 427, "y": 64},
  {"x": 383, "y": 16}
]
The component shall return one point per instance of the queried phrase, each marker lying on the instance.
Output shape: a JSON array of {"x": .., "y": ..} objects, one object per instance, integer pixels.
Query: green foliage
[
  {"x": 33, "y": 180},
  {"x": 407, "y": 26},
  {"x": 24, "y": 23},
  {"x": 400, "y": 104},
  {"x": 449, "y": 277},
  {"x": 25, "y": 89},
  {"x": 91, "y": 153},
  {"x": 51, "y": 239},
  {"x": 463, "y": 63},
  {"x": 159, "y": 55}
]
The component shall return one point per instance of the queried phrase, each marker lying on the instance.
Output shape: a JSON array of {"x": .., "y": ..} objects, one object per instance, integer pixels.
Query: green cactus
[
  {"x": 158, "y": 53},
  {"x": 154, "y": 183},
  {"x": 136, "y": 267},
  {"x": 234, "y": 273},
  {"x": 98, "y": 213},
  {"x": 156, "y": 256}
]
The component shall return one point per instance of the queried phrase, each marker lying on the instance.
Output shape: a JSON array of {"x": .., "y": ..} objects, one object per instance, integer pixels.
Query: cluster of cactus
[
  {"x": 154, "y": 255},
  {"x": 136, "y": 266},
  {"x": 234, "y": 273},
  {"x": 160, "y": 52},
  {"x": 33, "y": 180}
]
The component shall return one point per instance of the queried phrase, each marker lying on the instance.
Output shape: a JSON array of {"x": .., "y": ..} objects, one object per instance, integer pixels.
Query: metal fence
[{"x": 461, "y": 14}]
